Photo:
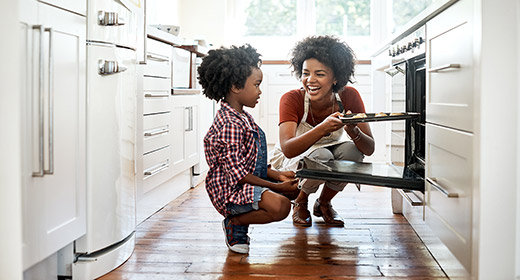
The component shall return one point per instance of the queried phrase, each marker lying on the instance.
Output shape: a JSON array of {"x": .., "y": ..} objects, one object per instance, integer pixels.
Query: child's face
[{"x": 250, "y": 94}]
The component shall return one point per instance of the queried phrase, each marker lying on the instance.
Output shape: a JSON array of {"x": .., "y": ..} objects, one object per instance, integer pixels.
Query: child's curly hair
[
  {"x": 224, "y": 67},
  {"x": 328, "y": 50}
]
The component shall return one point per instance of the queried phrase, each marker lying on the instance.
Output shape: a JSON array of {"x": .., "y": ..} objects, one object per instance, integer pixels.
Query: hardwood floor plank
[{"x": 184, "y": 240}]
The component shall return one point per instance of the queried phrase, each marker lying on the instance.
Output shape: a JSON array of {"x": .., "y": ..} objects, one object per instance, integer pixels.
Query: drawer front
[
  {"x": 110, "y": 21},
  {"x": 156, "y": 102},
  {"x": 156, "y": 132},
  {"x": 449, "y": 94},
  {"x": 156, "y": 168},
  {"x": 449, "y": 188},
  {"x": 158, "y": 57},
  {"x": 156, "y": 84}
]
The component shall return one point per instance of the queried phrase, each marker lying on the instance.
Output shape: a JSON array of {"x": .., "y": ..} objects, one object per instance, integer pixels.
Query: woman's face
[{"x": 317, "y": 79}]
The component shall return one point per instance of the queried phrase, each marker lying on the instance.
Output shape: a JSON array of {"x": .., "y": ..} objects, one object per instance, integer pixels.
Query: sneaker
[{"x": 236, "y": 237}]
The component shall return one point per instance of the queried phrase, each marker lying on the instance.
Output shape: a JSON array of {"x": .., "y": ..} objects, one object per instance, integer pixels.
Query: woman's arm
[
  {"x": 361, "y": 134},
  {"x": 293, "y": 145},
  {"x": 280, "y": 176}
]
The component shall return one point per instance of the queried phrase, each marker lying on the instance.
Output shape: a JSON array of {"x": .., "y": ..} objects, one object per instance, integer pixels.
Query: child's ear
[{"x": 234, "y": 89}]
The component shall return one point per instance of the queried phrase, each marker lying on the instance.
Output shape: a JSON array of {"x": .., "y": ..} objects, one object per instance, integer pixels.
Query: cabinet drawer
[
  {"x": 156, "y": 102},
  {"x": 156, "y": 84},
  {"x": 156, "y": 132},
  {"x": 156, "y": 168},
  {"x": 157, "y": 68},
  {"x": 449, "y": 94},
  {"x": 449, "y": 188}
]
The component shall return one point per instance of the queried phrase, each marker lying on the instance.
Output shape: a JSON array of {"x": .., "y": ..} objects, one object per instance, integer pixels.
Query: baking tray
[
  {"x": 371, "y": 117},
  {"x": 376, "y": 174}
]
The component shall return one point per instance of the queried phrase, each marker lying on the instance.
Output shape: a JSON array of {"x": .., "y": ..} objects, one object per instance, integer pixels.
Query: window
[{"x": 274, "y": 26}]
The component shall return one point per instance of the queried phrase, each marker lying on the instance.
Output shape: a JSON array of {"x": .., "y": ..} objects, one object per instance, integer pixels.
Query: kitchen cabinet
[
  {"x": 449, "y": 155},
  {"x": 185, "y": 133},
  {"x": 53, "y": 89}
]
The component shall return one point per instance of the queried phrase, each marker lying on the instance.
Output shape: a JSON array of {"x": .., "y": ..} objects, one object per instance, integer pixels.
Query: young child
[{"x": 240, "y": 184}]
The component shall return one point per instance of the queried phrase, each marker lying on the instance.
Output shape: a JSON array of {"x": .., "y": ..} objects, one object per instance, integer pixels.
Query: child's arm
[
  {"x": 280, "y": 176},
  {"x": 288, "y": 185}
]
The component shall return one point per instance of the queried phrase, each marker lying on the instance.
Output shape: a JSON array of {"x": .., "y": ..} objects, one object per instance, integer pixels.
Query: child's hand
[
  {"x": 289, "y": 189},
  {"x": 285, "y": 176}
]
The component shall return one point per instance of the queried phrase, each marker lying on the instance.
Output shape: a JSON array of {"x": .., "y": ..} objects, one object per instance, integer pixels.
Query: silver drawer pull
[
  {"x": 107, "y": 67},
  {"x": 156, "y": 132},
  {"x": 414, "y": 201},
  {"x": 156, "y": 170},
  {"x": 157, "y": 57},
  {"x": 110, "y": 19},
  {"x": 444, "y": 67},
  {"x": 436, "y": 185},
  {"x": 157, "y": 94}
]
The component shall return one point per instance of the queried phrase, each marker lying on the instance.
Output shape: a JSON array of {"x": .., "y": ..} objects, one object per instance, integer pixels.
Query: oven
[{"x": 405, "y": 170}]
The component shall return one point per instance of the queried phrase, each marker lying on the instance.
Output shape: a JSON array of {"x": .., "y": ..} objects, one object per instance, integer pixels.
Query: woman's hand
[{"x": 331, "y": 124}]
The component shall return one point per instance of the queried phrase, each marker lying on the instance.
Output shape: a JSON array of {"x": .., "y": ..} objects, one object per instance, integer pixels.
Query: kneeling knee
[{"x": 283, "y": 210}]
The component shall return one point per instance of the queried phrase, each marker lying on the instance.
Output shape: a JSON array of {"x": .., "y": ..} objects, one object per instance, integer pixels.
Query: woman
[{"x": 309, "y": 124}]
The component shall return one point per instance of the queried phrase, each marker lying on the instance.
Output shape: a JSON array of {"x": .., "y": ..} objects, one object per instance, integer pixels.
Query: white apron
[{"x": 278, "y": 160}]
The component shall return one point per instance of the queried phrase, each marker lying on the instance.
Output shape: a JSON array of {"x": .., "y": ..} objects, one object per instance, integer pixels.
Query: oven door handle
[
  {"x": 444, "y": 67},
  {"x": 440, "y": 188},
  {"x": 394, "y": 70}
]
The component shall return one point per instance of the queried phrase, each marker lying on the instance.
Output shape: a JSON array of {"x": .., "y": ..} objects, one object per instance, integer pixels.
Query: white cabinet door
[
  {"x": 53, "y": 79},
  {"x": 185, "y": 126}
]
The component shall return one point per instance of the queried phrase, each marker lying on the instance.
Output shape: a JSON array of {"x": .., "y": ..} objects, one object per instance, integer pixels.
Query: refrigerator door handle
[
  {"x": 107, "y": 67},
  {"x": 110, "y": 19}
]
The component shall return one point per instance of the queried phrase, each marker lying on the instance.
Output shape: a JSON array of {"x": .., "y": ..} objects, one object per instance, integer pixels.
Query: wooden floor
[{"x": 185, "y": 241}]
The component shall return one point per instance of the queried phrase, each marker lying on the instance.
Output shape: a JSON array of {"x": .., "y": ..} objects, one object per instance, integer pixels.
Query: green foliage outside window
[
  {"x": 405, "y": 10},
  {"x": 343, "y": 18},
  {"x": 271, "y": 18}
]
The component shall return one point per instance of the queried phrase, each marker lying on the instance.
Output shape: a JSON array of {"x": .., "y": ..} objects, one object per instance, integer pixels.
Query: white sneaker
[{"x": 236, "y": 237}]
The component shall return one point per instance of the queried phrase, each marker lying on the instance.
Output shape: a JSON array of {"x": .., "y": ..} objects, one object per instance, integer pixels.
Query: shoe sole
[{"x": 237, "y": 248}]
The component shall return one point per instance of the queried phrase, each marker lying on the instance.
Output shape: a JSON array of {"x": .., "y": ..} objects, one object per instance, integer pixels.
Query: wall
[
  {"x": 10, "y": 165},
  {"x": 204, "y": 19}
]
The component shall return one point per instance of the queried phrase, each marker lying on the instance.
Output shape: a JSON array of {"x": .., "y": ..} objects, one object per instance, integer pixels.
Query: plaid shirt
[{"x": 230, "y": 148}]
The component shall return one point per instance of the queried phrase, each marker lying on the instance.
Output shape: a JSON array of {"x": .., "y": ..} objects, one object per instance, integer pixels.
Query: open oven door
[{"x": 361, "y": 173}]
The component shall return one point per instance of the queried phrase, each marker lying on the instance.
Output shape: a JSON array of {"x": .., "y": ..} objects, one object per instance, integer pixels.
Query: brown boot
[
  {"x": 301, "y": 216},
  {"x": 330, "y": 216}
]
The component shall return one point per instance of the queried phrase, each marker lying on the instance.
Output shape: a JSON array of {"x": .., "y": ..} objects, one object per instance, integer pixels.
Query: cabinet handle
[
  {"x": 436, "y": 185},
  {"x": 107, "y": 67},
  {"x": 157, "y": 57},
  {"x": 189, "y": 118},
  {"x": 41, "y": 161},
  {"x": 156, "y": 94},
  {"x": 156, "y": 132},
  {"x": 444, "y": 67},
  {"x": 41, "y": 100},
  {"x": 413, "y": 202},
  {"x": 110, "y": 19},
  {"x": 156, "y": 170}
]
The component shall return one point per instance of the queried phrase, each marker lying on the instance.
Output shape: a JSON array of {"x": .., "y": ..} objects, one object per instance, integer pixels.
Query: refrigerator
[{"x": 113, "y": 31}]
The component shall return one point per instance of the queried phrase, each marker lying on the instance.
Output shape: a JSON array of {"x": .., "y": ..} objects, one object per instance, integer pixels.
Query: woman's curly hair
[
  {"x": 328, "y": 50},
  {"x": 224, "y": 67}
]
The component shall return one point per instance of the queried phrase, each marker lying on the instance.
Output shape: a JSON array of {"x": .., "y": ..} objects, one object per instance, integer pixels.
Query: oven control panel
[{"x": 411, "y": 45}]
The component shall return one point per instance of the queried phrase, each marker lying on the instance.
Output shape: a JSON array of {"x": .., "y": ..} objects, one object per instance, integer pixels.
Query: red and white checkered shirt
[{"x": 230, "y": 149}]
